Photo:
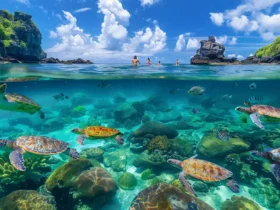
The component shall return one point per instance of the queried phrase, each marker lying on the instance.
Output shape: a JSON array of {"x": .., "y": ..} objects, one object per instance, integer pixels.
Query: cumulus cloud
[
  {"x": 148, "y": 2},
  {"x": 217, "y": 18},
  {"x": 239, "y": 57},
  {"x": 112, "y": 42},
  {"x": 222, "y": 39},
  {"x": 193, "y": 44},
  {"x": 233, "y": 41},
  {"x": 82, "y": 10},
  {"x": 252, "y": 16},
  {"x": 181, "y": 43}
]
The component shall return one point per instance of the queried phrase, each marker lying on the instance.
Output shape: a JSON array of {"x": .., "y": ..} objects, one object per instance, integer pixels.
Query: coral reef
[
  {"x": 147, "y": 174},
  {"x": 78, "y": 111},
  {"x": 116, "y": 159},
  {"x": 159, "y": 143},
  {"x": 240, "y": 203},
  {"x": 26, "y": 200},
  {"x": 127, "y": 181},
  {"x": 96, "y": 153}
]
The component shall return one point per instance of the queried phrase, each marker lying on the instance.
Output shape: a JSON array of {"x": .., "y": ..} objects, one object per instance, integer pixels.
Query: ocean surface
[{"x": 159, "y": 119}]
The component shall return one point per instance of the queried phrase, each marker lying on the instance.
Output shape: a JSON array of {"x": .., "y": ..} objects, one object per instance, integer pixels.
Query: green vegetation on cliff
[
  {"x": 269, "y": 50},
  {"x": 19, "y": 37}
]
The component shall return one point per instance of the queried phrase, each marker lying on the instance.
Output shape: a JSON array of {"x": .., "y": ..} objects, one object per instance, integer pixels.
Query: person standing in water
[
  {"x": 177, "y": 62},
  {"x": 135, "y": 61},
  {"x": 159, "y": 63},
  {"x": 148, "y": 61}
]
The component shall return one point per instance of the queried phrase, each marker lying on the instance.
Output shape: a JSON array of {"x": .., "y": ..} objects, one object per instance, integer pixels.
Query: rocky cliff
[
  {"x": 211, "y": 52},
  {"x": 269, "y": 54},
  {"x": 20, "y": 39}
]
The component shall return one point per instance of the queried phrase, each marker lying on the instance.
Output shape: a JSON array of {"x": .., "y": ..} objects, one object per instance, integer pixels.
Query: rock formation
[
  {"x": 211, "y": 52},
  {"x": 56, "y": 60},
  {"x": 20, "y": 39}
]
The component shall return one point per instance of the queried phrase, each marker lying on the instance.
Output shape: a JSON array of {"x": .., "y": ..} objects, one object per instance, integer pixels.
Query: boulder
[{"x": 212, "y": 146}]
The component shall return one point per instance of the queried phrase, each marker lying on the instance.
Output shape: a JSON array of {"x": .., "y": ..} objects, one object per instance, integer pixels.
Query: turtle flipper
[
  {"x": 275, "y": 169},
  {"x": 73, "y": 153},
  {"x": 119, "y": 139},
  {"x": 185, "y": 182},
  {"x": 81, "y": 139},
  {"x": 233, "y": 186},
  {"x": 17, "y": 160},
  {"x": 255, "y": 117}
]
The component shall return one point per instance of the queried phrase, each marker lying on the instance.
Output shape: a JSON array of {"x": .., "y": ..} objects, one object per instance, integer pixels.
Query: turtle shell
[
  {"x": 205, "y": 170},
  {"x": 22, "y": 99},
  {"x": 41, "y": 145},
  {"x": 100, "y": 131},
  {"x": 275, "y": 155},
  {"x": 265, "y": 110}
]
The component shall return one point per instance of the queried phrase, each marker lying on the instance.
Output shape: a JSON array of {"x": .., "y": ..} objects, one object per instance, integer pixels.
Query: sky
[{"x": 113, "y": 31}]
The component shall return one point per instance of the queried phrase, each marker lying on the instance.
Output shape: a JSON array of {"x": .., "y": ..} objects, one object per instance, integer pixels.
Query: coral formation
[
  {"x": 78, "y": 111},
  {"x": 147, "y": 174},
  {"x": 127, "y": 181},
  {"x": 159, "y": 143},
  {"x": 96, "y": 153},
  {"x": 240, "y": 203}
]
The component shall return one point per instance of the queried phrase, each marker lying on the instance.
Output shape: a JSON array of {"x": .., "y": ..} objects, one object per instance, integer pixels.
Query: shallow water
[{"x": 106, "y": 95}]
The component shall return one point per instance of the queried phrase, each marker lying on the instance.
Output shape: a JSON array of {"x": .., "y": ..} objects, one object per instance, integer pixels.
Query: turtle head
[
  {"x": 174, "y": 162},
  {"x": 243, "y": 109},
  {"x": 3, "y": 88},
  {"x": 77, "y": 131},
  {"x": 119, "y": 139}
]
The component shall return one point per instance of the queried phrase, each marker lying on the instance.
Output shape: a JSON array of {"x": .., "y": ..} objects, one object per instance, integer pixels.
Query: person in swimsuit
[
  {"x": 148, "y": 61},
  {"x": 177, "y": 62},
  {"x": 135, "y": 61}
]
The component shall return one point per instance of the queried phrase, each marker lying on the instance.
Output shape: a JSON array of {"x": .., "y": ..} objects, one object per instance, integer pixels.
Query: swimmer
[
  {"x": 177, "y": 62},
  {"x": 159, "y": 64},
  {"x": 148, "y": 62},
  {"x": 135, "y": 61}
]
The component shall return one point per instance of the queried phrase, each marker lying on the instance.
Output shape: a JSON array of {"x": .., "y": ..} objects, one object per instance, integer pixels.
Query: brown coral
[{"x": 159, "y": 143}]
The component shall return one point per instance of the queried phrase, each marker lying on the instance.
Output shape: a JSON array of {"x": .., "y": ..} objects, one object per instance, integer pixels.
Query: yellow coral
[{"x": 159, "y": 143}]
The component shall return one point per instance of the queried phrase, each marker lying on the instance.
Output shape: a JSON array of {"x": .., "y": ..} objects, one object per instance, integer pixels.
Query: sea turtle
[
  {"x": 271, "y": 155},
  {"x": 257, "y": 110},
  {"x": 98, "y": 132},
  {"x": 202, "y": 170},
  {"x": 18, "y": 103},
  {"x": 40, "y": 145}
]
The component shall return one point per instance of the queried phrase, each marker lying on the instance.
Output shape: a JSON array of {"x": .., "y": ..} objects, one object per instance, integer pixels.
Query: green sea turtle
[
  {"x": 202, "y": 170},
  {"x": 272, "y": 155},
  {"x": 98, "y": 132},
  {"x": 18, "y": 103},
  {"x": 40, "y": 145},
  {"x": 260, "y": 110}
]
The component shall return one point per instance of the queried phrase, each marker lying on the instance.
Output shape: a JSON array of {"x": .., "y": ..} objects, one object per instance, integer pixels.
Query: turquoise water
[{"x": 127, "y": 98}]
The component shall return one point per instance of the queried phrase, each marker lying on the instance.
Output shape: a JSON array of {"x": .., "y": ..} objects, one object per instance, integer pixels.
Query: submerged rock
[
  {"x": 165, "y": 117},
  {"x": 25, "y": 200},
  {"x": 164, "y": 196},
  {"x": 212, "y": 146},
  {"x": 156, "y": 128}
]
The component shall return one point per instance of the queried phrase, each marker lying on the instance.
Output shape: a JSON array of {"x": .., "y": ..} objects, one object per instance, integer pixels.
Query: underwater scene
[{"x": 117, "y": 137}]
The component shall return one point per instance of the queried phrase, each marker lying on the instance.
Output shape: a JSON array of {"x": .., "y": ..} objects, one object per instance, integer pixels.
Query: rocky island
[
  {"x": 269, "y": 54},
  {"x": 212, "y": 52},
  {"x": 20, "y": 41}
]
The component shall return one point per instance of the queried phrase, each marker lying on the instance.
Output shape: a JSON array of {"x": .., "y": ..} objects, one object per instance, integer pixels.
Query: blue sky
[{"x": 112, "y": 31}]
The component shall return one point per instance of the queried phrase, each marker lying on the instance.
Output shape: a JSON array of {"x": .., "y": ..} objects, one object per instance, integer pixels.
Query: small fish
[
  {"x": 253, "y": 86},
  {"x": 168, "y": 110},
  {"x": 60, "y": 97},
  {"x": 223, "y": 135},
  {"x": 196, "y": 90},
  {"x": 255, "y": 98},
  {"x": 195, "y": 111},
  {"x": 103, "y": 84},
  {"x": 192, "y": 205},
  {"x": 226, "y": 97}
]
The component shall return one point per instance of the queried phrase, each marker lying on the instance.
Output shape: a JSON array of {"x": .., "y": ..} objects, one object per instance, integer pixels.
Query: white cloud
[
  {"x": 82, "y": 10},
  {"x": 233, "y": 41},
  {"x": 239, "y": 57},
  {"x": 252, "y": 16},
  {"x": 43, "y": 9},
  {"x": 148, "y": 2},
  {"x": 112, "y": 42},
  {"x": 222, "y": 39},
  {"x": 251, "y": 54},
  {"x": 26, "y": 2},
  {"x": 217, "y": 18},
  {"x": 193, "y": 44},
  {"x": 181, "y": 43}
]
